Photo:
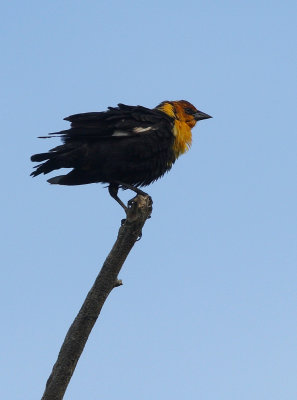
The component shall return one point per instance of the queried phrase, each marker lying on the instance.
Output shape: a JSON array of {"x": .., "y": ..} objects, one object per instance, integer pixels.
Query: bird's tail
[
  {"x": 41, "y": 157},
  {"x": 74, "y": 177},
  {"x": 57, "y": 180},
  {"x": 54, "y": 159},
  {"x": 61, "y": 157}
]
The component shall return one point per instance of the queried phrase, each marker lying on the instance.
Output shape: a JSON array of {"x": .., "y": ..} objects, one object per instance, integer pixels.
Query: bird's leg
[
  {"x": 113, "y": 189},
  {"x": 134, "y": 189},
  {"x": 131, "y": 187}
]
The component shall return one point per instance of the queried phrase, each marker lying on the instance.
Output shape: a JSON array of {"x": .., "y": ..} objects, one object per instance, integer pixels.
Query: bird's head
[{"x": 183, "y": 111}]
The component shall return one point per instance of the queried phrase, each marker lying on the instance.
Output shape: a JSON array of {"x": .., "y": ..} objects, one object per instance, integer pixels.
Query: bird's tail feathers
[
  {"x": 74, "y": 177},
  {"x": 56, "y": 180},
  {"x": 54, "y": 159},
  {"x": 41, "y": 157}
]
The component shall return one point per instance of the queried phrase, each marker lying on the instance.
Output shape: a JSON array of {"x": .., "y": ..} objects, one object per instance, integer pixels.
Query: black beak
[{"x": 201, "y": 115}]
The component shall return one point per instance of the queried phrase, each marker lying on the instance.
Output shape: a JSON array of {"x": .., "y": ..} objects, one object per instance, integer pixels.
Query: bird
[{"x": 124, "y": 147}]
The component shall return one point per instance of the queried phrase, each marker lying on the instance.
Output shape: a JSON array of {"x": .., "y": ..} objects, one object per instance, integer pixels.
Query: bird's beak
[{"x": 201, "y": 115}]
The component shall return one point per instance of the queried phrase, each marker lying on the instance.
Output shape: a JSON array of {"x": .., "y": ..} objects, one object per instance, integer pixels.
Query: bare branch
[{"x": 139, "y": 211}]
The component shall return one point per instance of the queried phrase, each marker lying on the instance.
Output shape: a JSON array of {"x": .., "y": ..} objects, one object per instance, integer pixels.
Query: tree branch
[{"x": 139, "y": 211}]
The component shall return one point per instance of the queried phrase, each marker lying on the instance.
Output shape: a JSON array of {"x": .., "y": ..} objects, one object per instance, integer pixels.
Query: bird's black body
[
  {"x": 125, "y": 146},
  {"x": 130, "y": 144}
]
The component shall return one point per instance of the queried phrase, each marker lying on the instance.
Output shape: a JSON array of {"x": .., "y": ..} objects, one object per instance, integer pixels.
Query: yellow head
[
  {"x": 183, "y": 111},
  {"x": 185, "y": 117}
]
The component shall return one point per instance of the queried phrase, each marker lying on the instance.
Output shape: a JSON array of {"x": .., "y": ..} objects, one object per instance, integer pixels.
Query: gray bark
[{"x": 130, "y": 231}]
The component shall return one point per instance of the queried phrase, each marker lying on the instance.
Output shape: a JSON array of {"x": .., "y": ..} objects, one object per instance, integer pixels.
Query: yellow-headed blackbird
[{"x": 125, "y": 146}]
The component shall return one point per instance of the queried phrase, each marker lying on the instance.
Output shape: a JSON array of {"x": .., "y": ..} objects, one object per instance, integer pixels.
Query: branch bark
[{"x": 139, "y": 211}]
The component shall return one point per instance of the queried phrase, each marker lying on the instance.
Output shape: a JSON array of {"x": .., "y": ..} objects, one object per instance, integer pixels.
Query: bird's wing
[{"x": 117, "y": 122}]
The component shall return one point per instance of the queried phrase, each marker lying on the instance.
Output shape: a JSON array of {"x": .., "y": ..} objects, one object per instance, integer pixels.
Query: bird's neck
[{"x": 182, "y": 138}]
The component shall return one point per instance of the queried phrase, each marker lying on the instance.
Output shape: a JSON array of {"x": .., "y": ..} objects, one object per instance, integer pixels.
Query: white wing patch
[
  {"x": 139, "y": 129},
  {"x": 120, "y": 133}
]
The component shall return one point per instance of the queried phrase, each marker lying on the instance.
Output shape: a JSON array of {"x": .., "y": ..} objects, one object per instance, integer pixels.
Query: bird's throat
[{"x": 182, "y": 138}]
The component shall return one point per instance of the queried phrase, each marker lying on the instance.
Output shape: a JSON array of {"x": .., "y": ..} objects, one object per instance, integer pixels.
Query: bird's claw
[{"x": 131, "y": 202}]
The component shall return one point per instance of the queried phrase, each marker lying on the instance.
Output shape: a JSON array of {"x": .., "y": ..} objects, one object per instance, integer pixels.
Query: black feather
[{"x": 95, "y": 155}]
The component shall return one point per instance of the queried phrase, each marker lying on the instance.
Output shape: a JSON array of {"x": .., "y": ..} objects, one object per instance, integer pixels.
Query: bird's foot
[{"x": 133, "y": 203}]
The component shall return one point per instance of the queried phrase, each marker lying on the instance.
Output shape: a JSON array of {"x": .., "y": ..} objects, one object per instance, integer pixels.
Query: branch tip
[{"x": 139, "y": 206}]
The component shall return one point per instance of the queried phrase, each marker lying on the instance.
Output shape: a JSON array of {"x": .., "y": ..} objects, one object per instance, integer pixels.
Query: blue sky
[{"x": 208, "y": 306}]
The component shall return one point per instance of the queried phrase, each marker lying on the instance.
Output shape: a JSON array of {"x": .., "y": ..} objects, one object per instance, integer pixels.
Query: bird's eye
[{"x": 189, "y": 111}]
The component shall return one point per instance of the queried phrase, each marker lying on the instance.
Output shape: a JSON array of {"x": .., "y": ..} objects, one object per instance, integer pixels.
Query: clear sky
[{"x": 208, "y": 306}]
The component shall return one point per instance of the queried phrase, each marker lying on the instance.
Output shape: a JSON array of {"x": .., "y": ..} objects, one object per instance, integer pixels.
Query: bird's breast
[{"x": 182, "y": 138}]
